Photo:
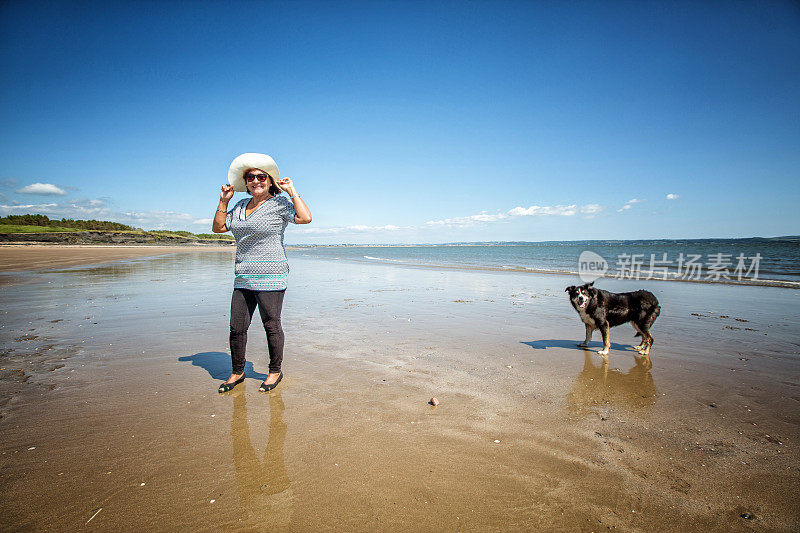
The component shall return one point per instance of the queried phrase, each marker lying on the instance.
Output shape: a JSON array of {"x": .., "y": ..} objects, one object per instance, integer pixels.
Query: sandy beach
[
  {"x": 110, "y": 419},
  {"x": 26, "y": 257}
]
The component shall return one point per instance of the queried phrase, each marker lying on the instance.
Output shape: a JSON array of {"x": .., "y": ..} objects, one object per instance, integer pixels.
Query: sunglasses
[{"x": 260, "y": 177}]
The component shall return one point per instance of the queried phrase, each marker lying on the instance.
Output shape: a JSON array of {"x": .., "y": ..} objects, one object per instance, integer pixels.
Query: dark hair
[{"x": 273, "y": 189}]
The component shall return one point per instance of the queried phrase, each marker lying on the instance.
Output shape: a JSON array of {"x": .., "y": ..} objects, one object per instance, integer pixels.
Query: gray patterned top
[{"x": 260, "y": 256}]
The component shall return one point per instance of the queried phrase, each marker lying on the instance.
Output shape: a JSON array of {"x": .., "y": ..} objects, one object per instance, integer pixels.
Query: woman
[{"x": 257, "y": 224}]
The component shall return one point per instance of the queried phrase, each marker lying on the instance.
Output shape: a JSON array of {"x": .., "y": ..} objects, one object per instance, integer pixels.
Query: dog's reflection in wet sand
[
  {"x": 598, "y": 386},
  {"x": 265, "y": 494}
]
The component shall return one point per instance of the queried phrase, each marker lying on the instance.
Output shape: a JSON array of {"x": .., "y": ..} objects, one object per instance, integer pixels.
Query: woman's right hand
[{"x": 226, "y": 193}]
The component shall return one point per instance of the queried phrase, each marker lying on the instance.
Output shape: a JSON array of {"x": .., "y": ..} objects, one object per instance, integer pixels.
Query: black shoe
[
  {"x": 225, "y": 387},
  {"x": 267, "y": 388}
]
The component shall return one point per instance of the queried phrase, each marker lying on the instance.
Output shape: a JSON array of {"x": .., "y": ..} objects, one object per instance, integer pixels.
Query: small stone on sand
[{"x": 433, "y": 401}]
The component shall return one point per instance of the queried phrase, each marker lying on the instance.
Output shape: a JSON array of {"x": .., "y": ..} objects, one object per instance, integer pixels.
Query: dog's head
[{"x": 581, "y": 296}]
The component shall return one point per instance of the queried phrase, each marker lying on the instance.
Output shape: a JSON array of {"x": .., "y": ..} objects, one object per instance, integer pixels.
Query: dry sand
[{"x": 111, "y": 420}]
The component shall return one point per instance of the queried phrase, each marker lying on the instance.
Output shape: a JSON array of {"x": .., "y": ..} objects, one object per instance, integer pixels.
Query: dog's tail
[{"x": 653, "y": 315}]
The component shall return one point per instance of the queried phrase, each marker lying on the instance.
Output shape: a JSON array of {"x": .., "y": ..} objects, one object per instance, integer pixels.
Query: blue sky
[{"x": 410, "y": 122}]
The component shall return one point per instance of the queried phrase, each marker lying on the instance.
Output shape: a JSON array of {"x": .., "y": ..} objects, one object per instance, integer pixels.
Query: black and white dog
[{"x": 603, "y": 310}]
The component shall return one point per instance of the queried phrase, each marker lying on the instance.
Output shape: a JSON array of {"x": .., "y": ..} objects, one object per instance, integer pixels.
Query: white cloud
[
  {"x": 672, "y": 196},
  {"x": 591, "y": 210},
  {"x": 536, "y": 210},
  {"x": 42, "y": 188},
  {"x": 470, "y": 220},
  {"x": 346, "y": 229},
  {"x": 97, "y": 209},
  {"x": 30, "y": 207},
  {"x": 630, "y": 203},
  {"x": 465, "y": 221},
  {"x": 532, "y": 211},
  {"x": 388, "y": 227},
  {"x": 168, "y": 220},
  {"x": 318, "y": 231}
]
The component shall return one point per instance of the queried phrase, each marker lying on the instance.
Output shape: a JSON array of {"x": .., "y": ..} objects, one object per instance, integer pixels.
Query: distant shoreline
[
  {"x": 111, "y": 237},
  {"x": 782, "y": 238},
  {"x": 102, "y": 237}
]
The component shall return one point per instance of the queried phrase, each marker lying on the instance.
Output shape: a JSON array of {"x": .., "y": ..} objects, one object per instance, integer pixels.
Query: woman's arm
[
  {"x": 302, "y": 214},
  {"x": 218, "y": 226}
]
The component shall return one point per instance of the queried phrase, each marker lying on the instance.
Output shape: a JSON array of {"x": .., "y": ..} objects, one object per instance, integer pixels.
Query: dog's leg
[
  {"x": 646, "y": 345},
  {"x": 647, "y": 340},
  {"x": 639, "y": 333},
  {"x": 589, "y": 330},
  {"x": 648, "y": 321},
  {"x": 605, "y": 330}
]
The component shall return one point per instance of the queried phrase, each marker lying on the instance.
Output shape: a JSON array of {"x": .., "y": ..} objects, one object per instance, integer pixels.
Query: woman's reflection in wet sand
[
  {"x": 598, "y": 386},
  {"x": 264, "y": 488}
]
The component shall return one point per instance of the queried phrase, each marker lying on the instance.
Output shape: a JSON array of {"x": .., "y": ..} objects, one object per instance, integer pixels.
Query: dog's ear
[
  {"x": 570, "y": 288},
  {"x": 590, "y": 284}
]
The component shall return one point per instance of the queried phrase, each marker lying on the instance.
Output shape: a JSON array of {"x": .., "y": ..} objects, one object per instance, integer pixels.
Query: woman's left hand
[{"x": 285, "y": 185}]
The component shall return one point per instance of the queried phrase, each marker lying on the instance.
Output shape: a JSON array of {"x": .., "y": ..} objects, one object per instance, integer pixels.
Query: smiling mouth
[{"x": 582, "y": 305}]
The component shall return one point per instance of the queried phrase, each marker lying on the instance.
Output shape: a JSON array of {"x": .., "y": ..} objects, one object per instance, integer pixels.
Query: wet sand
[
  {"x": 110, "y": 413},
  {"x": 26, "y": 257}
]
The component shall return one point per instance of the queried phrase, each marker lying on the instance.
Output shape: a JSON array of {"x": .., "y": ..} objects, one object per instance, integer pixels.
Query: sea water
[{"x": 750, "y": 261}]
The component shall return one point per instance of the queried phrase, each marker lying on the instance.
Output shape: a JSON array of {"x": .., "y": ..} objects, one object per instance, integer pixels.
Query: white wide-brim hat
[{"x": 247, "y": 161}]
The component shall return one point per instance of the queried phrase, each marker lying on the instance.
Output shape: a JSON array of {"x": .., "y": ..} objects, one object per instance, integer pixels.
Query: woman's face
[{"x": 252, "y": 179}]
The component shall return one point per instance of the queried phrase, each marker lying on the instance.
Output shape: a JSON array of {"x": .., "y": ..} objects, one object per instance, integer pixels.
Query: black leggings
[{"x": 243, "y": 303}]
